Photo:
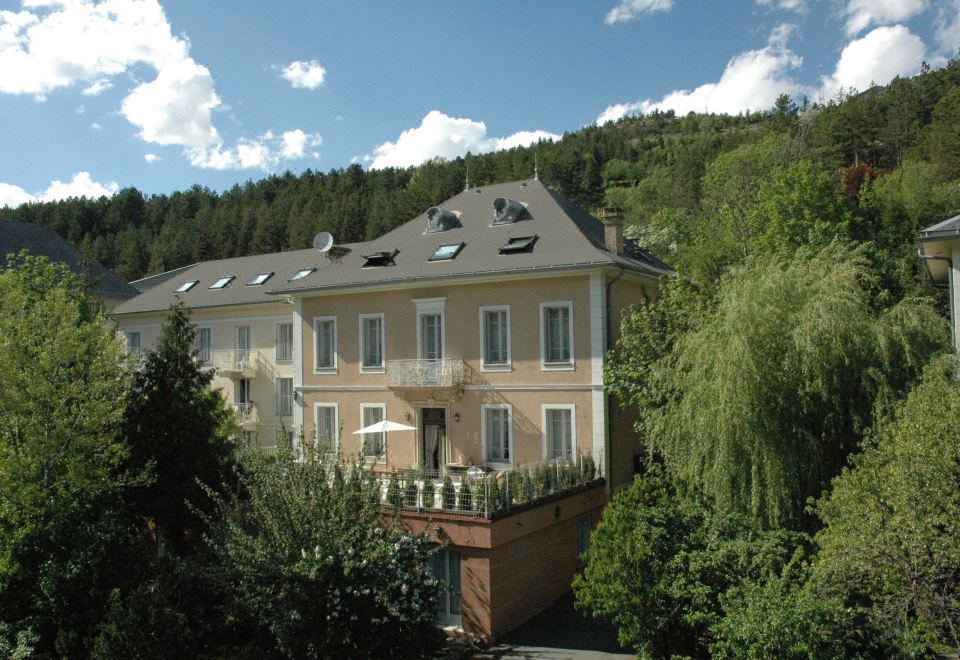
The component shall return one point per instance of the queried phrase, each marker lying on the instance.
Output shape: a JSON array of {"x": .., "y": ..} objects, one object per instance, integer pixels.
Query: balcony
[
  {"x": 477, "y": 492},
  {"x": 237, "y": 362},
  {"x": 247, "y": 416},
  {"x": 425, "y": 374},
  {"x": 136, "y": 358}
]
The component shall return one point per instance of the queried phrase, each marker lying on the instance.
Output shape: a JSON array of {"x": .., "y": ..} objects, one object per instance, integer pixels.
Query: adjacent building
[
  {"x": 939, "y": 247},
  {"x": 483, "y": 325},
  {"x": 42, "y": 241}
]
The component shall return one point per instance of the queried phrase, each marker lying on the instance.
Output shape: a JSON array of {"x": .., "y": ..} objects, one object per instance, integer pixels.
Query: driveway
[{"x": 559, "y": 633}]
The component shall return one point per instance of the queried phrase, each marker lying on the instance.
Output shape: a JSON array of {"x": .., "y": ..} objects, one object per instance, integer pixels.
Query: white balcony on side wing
[
  {"x": 237, "y": 362},
  {"x": 247, "y": 416},
  {"x": 425, "y": 374}
]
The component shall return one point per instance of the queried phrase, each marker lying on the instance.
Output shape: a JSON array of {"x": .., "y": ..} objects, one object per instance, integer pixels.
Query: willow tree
[{"x": 760, "y": 405}]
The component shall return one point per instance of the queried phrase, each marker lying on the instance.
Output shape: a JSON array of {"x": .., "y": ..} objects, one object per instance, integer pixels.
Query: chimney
[{"x": 613, "y": 229}]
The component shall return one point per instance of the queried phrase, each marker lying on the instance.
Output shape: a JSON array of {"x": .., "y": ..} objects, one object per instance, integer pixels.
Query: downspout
[
  {"x": 953, "y": 329},
  {"x": 609, "y": 344}
]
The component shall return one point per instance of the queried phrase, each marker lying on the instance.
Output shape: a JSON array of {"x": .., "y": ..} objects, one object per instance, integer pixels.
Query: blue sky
[{"x": 163, "y": 94}]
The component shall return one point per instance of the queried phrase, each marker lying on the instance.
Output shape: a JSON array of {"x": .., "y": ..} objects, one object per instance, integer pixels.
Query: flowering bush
[{"x": 305, "y": 556}]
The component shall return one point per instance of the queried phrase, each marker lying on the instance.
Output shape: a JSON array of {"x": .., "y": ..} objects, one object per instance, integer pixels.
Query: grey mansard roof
[
  {"x": 41, "y": 241},
  {"x": 568, "y": 237}
]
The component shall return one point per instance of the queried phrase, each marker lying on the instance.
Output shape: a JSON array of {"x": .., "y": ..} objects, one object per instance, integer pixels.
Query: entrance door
[
  {"x": 445, "y": 565},
  {"x": 433, "y": 437}
]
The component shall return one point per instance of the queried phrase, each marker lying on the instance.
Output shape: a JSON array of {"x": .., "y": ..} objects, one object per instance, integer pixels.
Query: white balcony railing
[
  {"x": 246, "y": 413},
  {"x": 137, "y": 358},
  {"x": 236, "y": 359},
  {"x": 425, "y": 373}
]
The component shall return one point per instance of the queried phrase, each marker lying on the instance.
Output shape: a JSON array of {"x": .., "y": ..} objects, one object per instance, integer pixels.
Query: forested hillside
[{"x": 698, "y": 188}]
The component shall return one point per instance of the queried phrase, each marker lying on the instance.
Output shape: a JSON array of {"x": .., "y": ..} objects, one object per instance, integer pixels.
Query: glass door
[
  {"x": 243, "y": 346},
  {"x": 445, "y": 566},
  {"x": 433, "y": 430}
]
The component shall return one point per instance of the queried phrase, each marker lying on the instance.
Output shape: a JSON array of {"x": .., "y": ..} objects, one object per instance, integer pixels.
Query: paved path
[{"x": 560, "y": 633}]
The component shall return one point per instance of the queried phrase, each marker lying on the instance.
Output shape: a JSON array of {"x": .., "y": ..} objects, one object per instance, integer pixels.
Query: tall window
[
  {"x": 284, "y": 397},
  {"x": 325, "y": 332},
  {"x": 243, "y": 345},
  {"x": 373, "y": 443},
  {"x": 430, "y": 328},
  {"x": 556, "y": 326},
  {"x": 284, "y": 345},
  {"x": 584, "y": 527},
  {"x": 558, "y": 431},
  {"x": 204, "y": 342},
  {"x": 496, "y": 433},
  {"x": 495, "y": 336},
  {"x": 431, "y": 336},
  {"x": 133, "y": 342},
  {"x": 326, "y": 426},
  {"x": 371, "y": 342}
]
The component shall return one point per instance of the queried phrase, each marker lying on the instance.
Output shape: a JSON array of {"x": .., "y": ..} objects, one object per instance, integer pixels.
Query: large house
[{"x": 483, "y": 325}]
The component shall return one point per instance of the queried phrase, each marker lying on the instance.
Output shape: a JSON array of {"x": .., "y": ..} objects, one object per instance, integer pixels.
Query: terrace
[{"x": 477, "y": 492}]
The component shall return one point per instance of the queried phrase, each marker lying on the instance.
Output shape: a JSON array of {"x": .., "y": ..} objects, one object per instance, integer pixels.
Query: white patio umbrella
[{"x": 384, "y": 427}]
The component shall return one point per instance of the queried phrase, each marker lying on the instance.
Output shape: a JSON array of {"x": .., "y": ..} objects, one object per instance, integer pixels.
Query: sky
[{"x": 165, "y": 94}]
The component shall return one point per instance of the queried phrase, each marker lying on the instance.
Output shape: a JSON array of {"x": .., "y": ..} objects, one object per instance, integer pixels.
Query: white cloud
[
  {"x": 12, "y": 196},
  {"x": 439, "y": 135},
  {"x": 55, "y": 44},
  {"x": 151, "y": 158},
  {"x": 304, "y": 75},
  {"x": 628, "y": 10},
  {"x": 266, "y": 152},
  {"x": 95, "y": 126},
  {"x": 875, "y": 59},
  {"x": 81, "y": 185},
  {"x": 861, "y": 14},
  {"x": 97, "y": 87},
  {"x": 751, "y": 81},
  {"x": 947, "y": 28},
  {"x": 797, "y": 6}
]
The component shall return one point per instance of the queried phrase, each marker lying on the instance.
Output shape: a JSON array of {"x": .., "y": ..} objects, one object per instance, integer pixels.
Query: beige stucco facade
[
  {"x": 261, "y": 420},
  {"x": 527, "y": 386}
]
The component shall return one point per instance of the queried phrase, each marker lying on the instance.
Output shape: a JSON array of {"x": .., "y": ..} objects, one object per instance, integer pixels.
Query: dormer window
[
  {"x": 222, "y": 282},
  {"x": 521, "y": 244},
  {"x": 186, "y": 286},
  {"x": 260, "y": 279},
  {"x": 380, "y": 259},
  {"x": 507, "y": 211},
  {"x": 300, "y": 274},
  {"x": 446, "y": 252},
  {"x": 439, "y": 219}
]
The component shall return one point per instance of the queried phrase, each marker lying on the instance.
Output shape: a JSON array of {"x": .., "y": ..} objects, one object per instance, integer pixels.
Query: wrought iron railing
[
  {"x": 425, "y": 373},
  {"x": 476, "y": 492},
  {"x": 236, "y": 359}
]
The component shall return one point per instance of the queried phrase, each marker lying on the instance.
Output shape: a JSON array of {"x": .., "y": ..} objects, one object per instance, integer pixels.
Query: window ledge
[
  {"x": 493, "y": 368},
  {"x": 557, "y": 366},
  {"x": 373, "y": 370},
  {"x": 326, "y": 371},
  {"x": 499, "y": 466}
]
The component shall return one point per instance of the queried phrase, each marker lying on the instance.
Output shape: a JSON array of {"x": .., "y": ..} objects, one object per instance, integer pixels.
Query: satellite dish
[{"x": 323, "y": 241}]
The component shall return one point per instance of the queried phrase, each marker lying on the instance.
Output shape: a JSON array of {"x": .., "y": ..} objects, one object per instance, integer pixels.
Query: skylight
[
  {"x": 379, "y": 259},
  {"x": 446, "y": 252},
  {"x": 300, "y": 274},
  {"x": 520, "y": 244},
  {"x": 186, "y": 286},
  {"x": 260, "y": 279},
  {"x": 222, "y": 282}
]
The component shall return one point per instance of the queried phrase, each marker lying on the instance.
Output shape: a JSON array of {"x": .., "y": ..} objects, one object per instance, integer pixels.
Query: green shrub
[
  {"x": 410, "y": 492},
  {"x": 466, "y": 501},
  {"x": 394, "y": 497},
  {"x": 447, "y": 494}
]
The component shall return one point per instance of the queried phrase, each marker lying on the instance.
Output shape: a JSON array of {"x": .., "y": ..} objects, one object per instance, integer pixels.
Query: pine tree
[{"x": 180, "y": 430}]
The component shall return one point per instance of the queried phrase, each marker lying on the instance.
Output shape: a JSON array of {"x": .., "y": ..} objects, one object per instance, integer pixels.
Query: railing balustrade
[
  {"x": 246, "y": 412},
  {"x": 447, "y": 372},
  {"x": 236, "y": 359},
  {"x": 479, "y": 493}
]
